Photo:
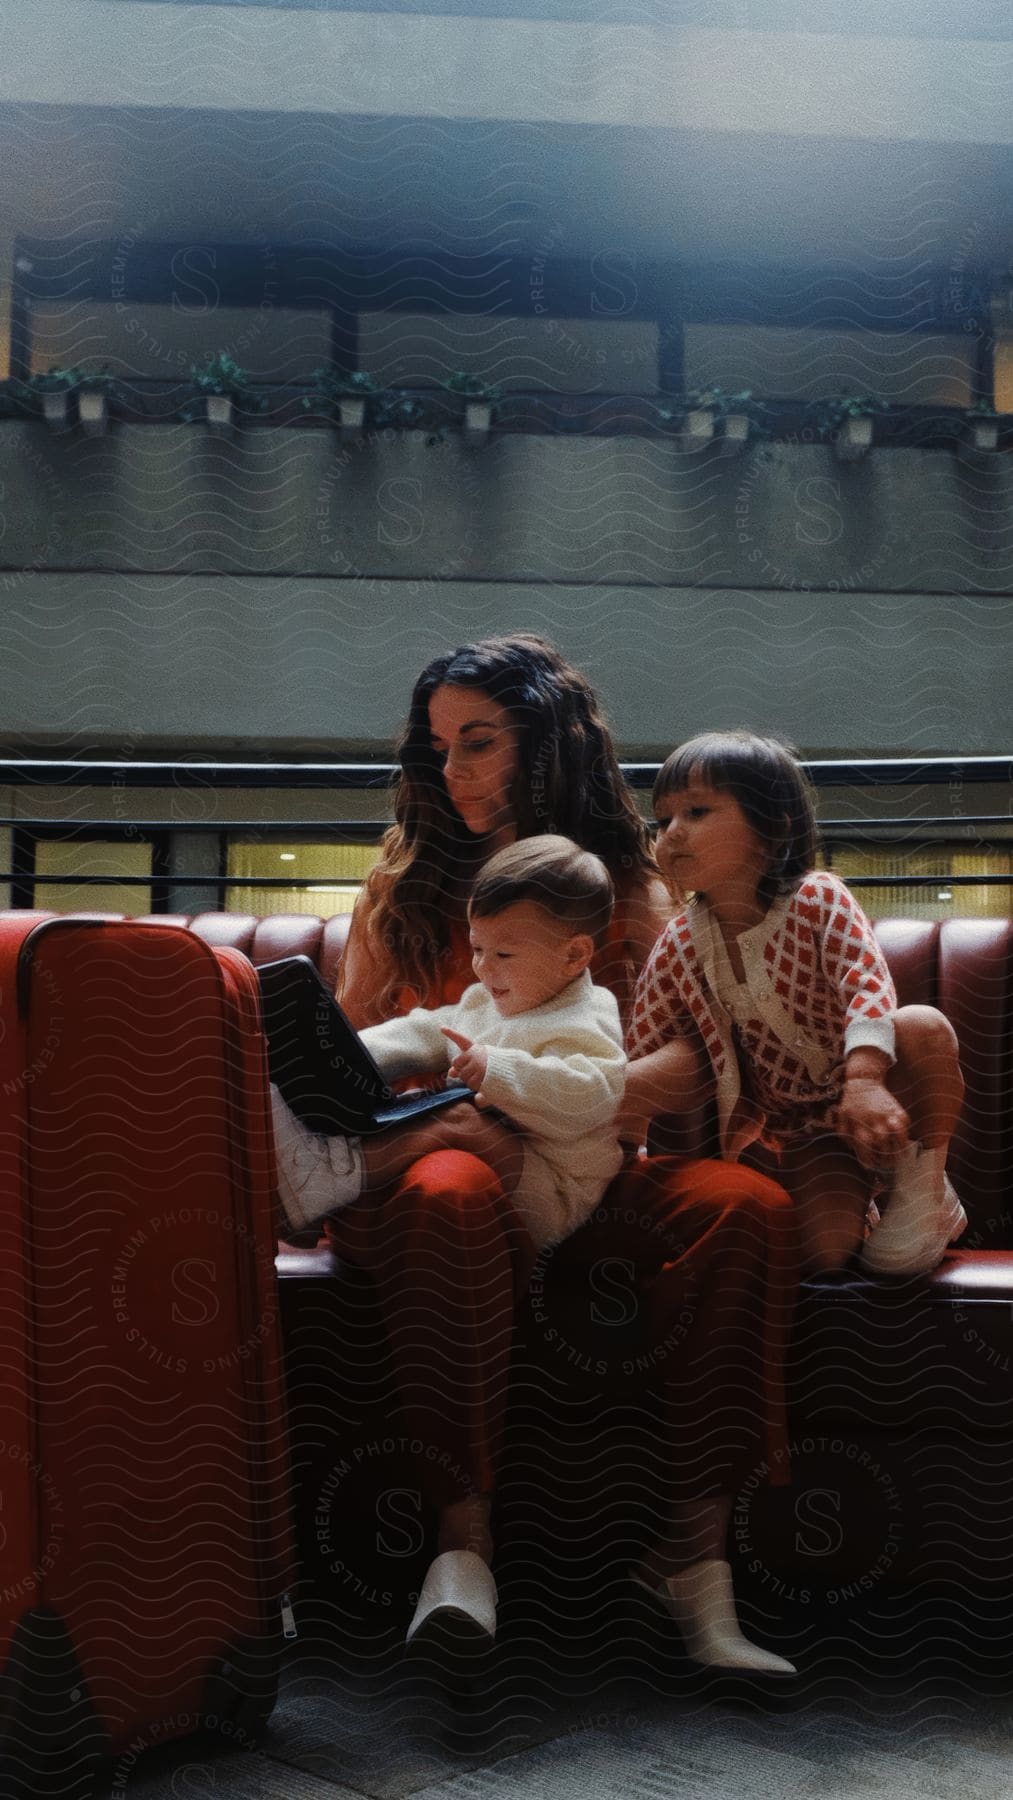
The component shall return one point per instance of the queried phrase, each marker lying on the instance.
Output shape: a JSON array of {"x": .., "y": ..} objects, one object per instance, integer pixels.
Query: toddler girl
[{"x": 819, "y": 1077}]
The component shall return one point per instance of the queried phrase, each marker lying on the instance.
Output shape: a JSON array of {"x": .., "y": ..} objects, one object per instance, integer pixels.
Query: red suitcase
[{"x": 144, "y": 1544}]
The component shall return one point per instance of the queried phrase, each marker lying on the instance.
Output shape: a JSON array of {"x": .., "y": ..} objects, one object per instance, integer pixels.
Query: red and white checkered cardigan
[{"x": 820, "y": 985}]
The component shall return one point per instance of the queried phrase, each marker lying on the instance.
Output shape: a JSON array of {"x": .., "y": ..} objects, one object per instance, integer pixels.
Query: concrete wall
[
  {"x": 163, "y": 587},
  {"x": 576, "y": 510},
  {"x": 316, "y": 665},
  {"x": 109, "y": 54}
]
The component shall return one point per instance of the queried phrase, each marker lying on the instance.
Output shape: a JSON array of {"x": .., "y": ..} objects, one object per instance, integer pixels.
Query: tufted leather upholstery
[
  {"x": 964, "y": 966},
  {"x": 264, "y": 940},
  {"x": 898, "y": 1391}
]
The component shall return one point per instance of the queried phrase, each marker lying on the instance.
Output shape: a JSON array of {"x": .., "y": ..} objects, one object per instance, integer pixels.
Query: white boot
[
  {"x": 701, "y": 1601},
  {"x": 459, "y": 1592},
  {"x": 921, "y": 1217},
  {"x": 316, "y": 1175}
]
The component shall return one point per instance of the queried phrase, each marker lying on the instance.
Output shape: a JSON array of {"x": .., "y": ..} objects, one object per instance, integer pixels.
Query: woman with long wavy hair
[
  {"x": 537, "y": 758},
  {"x": 505, "y": 740}
]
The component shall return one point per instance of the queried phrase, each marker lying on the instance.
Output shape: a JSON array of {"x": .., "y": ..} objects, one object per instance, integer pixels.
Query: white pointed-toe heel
[
  {"x": 701, "y": 1601},
  {"x": 457, "y": 1602}
]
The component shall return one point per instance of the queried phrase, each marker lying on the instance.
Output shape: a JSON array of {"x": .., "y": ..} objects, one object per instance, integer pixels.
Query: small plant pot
[
  {"x": 56, "y": 410},
  {"x": 698, "y": 428},
  {"x": 735, "y": 435},
  {"x": 219, "y": 412},
  {"x": 854, "y": 439},
  {"x": 351, "y": 419},
  {"x": 93, "y": 412},
  {"x": 477, "y": 422},
  {"x": 984, "y": 434}
]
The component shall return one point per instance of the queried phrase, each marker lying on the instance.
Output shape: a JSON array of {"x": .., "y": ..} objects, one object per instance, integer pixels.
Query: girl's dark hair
[
  {"x": 771, "y": 787},
  {"x": 571, "y": 884},
  {"x": 568, "y": 782}
]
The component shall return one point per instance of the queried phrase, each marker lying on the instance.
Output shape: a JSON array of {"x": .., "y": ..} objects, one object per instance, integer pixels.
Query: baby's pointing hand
[{"x": 470, "y": 1063}]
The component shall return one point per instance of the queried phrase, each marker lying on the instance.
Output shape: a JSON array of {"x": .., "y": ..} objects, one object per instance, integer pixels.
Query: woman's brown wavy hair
[{"x": 568, "y": 782}]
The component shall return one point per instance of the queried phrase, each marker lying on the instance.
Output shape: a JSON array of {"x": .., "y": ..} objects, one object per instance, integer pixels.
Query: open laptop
[{"x": 320, "y": 1063}]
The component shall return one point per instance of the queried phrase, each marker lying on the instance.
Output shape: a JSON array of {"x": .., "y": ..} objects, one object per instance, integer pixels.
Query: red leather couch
[{"x": 901, "y": 1396}]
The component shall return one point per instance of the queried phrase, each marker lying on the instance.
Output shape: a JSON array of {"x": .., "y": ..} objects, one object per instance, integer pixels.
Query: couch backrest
[
  {"x": 264, "y": 940},
  {"x": 963, "y": 966}
]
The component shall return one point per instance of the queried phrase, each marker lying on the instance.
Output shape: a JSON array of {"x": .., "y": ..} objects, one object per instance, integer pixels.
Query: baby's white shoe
[
  {"x": 316, "y": 1175},
  {"x": 701, "y": 1600},
  {"x": 920, "y": 1219}
]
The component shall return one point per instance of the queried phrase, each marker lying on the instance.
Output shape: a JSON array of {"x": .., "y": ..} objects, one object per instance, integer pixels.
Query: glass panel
[
  {"x": 139, "y": 338},
  {"x": 983, "y": 902},
  {"x": 92, "y": 857},
  {"x": 917, "y": 368},
  {"x": 563, "y": 355},
  {"x": 336, "y": 872},
  {"x": 1004, "y": 373},
  {"x": 936, "y": 900}
]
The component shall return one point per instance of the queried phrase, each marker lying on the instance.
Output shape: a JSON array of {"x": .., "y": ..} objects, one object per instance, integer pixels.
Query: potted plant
[
  {"x": 60, "y": 392},
  {"x": 481, "y": 400},
  {"x": 706, "y": 409},
  {"x": 850, "y": 421},
  {"x": 94, "y": 393},
  {"x": 393, "y": 407},
  {"x": 982, "y": 432},
  {"x": 220, "y": 388},
  {"x": 350, "y": 395},
  {"x": 669, "y": 413}
]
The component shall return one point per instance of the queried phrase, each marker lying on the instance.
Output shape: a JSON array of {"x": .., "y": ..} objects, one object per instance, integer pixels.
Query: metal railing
[
  {"x": 138, "y": 772},
  {"x": 980, "y": 833}
]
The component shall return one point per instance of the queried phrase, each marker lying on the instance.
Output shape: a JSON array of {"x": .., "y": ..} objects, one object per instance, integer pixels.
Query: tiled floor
[{"x": 912, "y": 1700}]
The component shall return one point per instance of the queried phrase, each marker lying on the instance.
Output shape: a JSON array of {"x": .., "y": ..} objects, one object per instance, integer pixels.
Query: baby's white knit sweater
[{"x": 557, "y": 1072}]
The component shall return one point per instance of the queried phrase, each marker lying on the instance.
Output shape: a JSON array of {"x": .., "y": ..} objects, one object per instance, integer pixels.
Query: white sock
[{"x": 316, "y": 1175}]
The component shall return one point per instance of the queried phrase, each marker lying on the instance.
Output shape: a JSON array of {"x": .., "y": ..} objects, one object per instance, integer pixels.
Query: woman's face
[{"x": 477, "y": 740}]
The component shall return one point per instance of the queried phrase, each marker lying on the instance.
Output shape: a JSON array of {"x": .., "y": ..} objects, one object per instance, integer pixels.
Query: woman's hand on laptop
[{"x": 469, "y": 1064}]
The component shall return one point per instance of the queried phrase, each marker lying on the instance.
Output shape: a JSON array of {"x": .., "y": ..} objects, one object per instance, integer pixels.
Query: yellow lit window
[
  {"x": 334, "y": 873},
  {"x": 92, "y": 856},
  {"x": 938, "y": 899}
]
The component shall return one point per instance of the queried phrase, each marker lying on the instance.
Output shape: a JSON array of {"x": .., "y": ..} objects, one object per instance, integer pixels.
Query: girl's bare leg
[
  {"x": 829, "y": 1185},
  {"x": 921, "y": 1215},
  {"x": 926, "y": 1077}
]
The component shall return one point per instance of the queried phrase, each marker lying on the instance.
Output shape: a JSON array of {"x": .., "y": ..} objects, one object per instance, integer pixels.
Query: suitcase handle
[{"x": 26, "y": 955}]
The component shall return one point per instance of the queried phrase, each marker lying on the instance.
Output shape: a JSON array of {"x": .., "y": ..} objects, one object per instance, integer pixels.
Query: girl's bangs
[{"x": 713, "y": 763}]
